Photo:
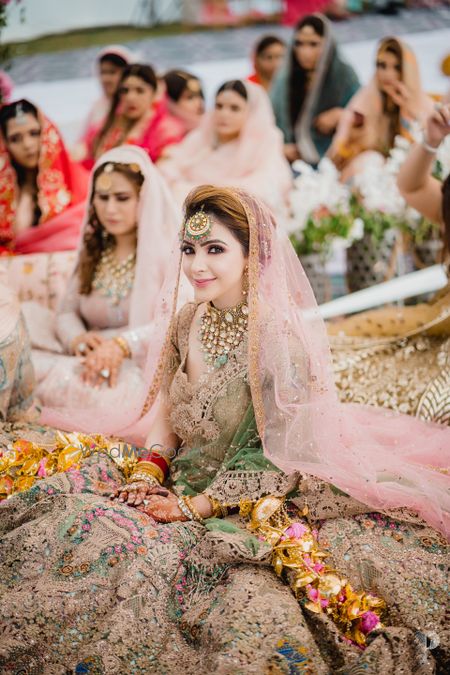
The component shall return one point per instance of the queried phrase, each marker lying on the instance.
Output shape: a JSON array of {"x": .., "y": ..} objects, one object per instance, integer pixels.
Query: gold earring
[{"x": 245, "y": 282}]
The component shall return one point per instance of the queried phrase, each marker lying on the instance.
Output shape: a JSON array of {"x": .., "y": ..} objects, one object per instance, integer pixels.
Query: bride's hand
[
  {"x": 162, "y": 509},
  {"x": 166, "y": 509},
  {"x": 135, "y": 493}
]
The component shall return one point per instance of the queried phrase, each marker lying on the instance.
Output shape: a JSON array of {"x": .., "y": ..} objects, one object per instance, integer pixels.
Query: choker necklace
[
  {"x": 221, "y": 332},
  {"x": 114, "y": 279}
]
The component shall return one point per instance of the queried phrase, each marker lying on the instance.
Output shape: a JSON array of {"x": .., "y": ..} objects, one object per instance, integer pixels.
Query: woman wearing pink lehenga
[
  {"x": 41, "y": 190},
  {"x": 236, "y": 144},
  {"x": 92, "y": 351}
]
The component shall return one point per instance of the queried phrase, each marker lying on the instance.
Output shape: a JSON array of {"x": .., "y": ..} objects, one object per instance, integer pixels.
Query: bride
[{"x": 106, "y": 575}]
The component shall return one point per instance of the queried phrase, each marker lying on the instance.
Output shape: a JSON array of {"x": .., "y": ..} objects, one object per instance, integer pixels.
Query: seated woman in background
[
  {"x": 111, "y": 62},
  {"x": 268, "y": 56},
  {"x": 383, "y": 109},
  {"x": 236, "y": 144},
  {"x": 136, "y": 117},
  {"x": 39, "y": 184},
  {"x": 185, "y": 100},
  {"x": 17, "y": 375},
  {"x": 101, "y": 330},
  {"x": 311, "y": 91},
  {"x": 399, "y": 357}
]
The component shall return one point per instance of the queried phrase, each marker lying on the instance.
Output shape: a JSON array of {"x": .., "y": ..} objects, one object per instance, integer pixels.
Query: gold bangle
[
  {"x": 191, "y": 506},
  {"x": 218, "y": 510},
  {"x": 124, "y": 346},
  {"x": 149, "y": 470}
]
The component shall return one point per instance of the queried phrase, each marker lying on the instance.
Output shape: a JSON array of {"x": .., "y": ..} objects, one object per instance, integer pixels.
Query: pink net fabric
[{"x": 385, "y": 460}]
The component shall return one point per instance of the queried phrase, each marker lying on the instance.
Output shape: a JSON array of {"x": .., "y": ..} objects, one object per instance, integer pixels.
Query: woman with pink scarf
[{"x": 236, "y": 144}]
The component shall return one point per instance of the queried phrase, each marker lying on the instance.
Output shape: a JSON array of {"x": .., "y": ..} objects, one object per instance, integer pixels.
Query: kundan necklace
[
  {"x": 221, "y": 332},
  {"x": 114, "y": 279}
]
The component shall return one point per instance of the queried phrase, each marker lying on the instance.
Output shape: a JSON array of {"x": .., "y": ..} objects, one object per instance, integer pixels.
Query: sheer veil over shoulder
[{"x": 385, "y": 460}]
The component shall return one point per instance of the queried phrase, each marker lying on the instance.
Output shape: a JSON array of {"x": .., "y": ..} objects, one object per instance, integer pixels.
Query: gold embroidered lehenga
[
  {"x": 397, "y": 358},
  {"x": 91, "y": 585}
]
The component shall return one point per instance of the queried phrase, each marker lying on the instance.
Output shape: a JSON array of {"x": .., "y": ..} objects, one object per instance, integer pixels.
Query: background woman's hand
[
  {"x": 86, "y": 342},
  {"x": 106, "y": 358},
  {"x": 291, "y": 152},
  {"x": 438, "y": 125},
  {"x": 327, "y": 121},
  {"x": 401, "y": 96}
]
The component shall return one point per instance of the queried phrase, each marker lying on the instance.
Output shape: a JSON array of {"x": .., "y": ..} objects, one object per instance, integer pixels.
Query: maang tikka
[{"x": 198, "y": 226}]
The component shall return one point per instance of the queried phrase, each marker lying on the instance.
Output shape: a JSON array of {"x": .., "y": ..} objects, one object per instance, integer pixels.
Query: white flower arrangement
[{"x": 316, "y": 190}]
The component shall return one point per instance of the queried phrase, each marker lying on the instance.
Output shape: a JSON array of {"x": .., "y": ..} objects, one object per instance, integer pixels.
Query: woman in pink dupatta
[
  {"x": 136, "y": 117},
  {"x": 41, "y": 190},
  {"x": 385, "y": 108},
  {"x": 236, "y": 144},
  {"x": 92, "y": 351}
]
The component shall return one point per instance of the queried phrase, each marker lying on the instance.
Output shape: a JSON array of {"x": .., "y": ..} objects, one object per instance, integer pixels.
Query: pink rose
[
  {"x": 313, "y": 594},
  {"x": 369, "y": 621},
  {"x": 42, "y": 472},
  {"x": 296, "y": 531}
]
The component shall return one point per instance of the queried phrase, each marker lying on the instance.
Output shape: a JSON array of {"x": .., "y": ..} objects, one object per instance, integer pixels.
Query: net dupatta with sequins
[{"x": 383, "y": 459}]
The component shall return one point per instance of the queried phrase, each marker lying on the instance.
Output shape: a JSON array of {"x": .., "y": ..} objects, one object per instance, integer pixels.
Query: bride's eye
[
  {"x": 187, "y": 250},
  {"x": 215, "y": 249}
]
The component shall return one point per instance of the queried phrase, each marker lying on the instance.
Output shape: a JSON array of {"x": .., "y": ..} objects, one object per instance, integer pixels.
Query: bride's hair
[
  {"x": 225, "y": 205},
  {"x": 95, "y": 238}
]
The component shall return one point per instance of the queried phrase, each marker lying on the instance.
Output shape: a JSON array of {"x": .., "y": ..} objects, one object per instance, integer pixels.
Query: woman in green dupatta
[
  {"x": 173, "y": 578},
  {"x": 311, "y": 91}
]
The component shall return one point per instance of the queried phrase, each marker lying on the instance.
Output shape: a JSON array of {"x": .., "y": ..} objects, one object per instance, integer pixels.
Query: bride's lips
[{"x": 201, "y": 283}]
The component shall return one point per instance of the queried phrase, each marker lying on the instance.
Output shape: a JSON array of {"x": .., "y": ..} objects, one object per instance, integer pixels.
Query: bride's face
[{"x": 215, "y": 267}]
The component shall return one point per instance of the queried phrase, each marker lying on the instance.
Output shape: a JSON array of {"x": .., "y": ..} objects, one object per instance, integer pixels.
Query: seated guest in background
[
  {"x": 268, "y": 56},
  {"x": 101, "y": 330},
  {"x": 382, "y": 110},
  {"x": 111, "y": 62},
  {"x": 184, "y": 97},
  {"x": 41, "y": 190},
  {"x": 17, "y": 375},
  {"x": 136, "y": 116},
  {"x": 311, "y": 91},
  {"x": 236, "y": 144}
]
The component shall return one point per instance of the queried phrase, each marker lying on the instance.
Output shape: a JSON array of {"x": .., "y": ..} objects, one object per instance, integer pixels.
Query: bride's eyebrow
[
  {"x": 213, "y": 241},
  {"x": 205, "y": 243}
]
